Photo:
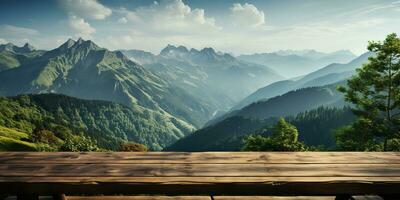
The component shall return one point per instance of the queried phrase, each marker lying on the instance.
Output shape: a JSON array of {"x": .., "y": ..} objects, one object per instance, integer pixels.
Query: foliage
[
  {"x": 375, "y": 91},
  {"x": 7, "y": 144},
  {"x": 223, "y": 136},
  {"x": 44, "y": 136},
  {"x": 314, "y": 126},
  {"x": 51, "y": 119},
  {"x": 132, "y": 146},
  {"x": 284, "y": 137},
  {"x": 79, "y": 143}
]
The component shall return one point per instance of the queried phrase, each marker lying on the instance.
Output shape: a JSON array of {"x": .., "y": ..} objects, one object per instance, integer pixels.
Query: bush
[
  {"x": 284, "y": 137},
  {"x": 44, "y": 136},
  {"x": 79, "y": 143},
  {"x": 131, "y": 146}
]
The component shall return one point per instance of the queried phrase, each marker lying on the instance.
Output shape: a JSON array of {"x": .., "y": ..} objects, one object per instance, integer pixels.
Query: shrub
[{"x": 132, "y": 146}]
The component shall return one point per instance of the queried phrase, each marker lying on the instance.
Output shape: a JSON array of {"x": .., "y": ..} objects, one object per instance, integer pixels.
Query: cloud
[
  {"x": 16, "y": 31},
  {"x": 247, "y": 15},
  {"x": 90, "y": 9},
  {"x": 122, "y": 20},
  {"x": 3, "y": 41},
  {"x": 80, "y": 27},
  {"x": 170, "y": 17}
]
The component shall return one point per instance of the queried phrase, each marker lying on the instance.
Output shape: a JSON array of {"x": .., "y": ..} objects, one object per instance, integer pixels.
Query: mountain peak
[
  {"x": 171, "y": 50},
  {"x": 28, "y": 47},
  {"x": 208, "y": 50},
  {"x": 171, "y": 47},
  {"x": 68, "y": 44},
  {"x": 16, "y": 49},
  {"x": 80, "y": 41}
]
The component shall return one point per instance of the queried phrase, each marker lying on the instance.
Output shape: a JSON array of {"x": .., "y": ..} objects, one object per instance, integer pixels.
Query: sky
[{"x": 233, "y": 26}]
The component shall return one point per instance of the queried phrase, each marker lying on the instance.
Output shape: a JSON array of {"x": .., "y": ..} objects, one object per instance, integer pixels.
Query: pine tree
[{"x": 375, "y": 91}]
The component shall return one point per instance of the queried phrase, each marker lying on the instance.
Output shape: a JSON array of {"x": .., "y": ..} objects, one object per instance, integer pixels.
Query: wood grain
[
  {"x": 139, "y": 198},
  {"x": 206, "y": 174},
  {"x": 204, "y": 157},
  {"x": 201, "y": 170}
]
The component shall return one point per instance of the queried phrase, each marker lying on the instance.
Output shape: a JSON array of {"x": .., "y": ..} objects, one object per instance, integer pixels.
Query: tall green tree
[
  {"x": 375, "y": 92},
  {"x": 284, "y": 137}
]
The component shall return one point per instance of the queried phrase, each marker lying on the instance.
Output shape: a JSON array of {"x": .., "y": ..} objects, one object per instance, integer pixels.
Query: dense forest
[
  {"x": 315, "y": 129},
  {"x": 52, "y": 122}
]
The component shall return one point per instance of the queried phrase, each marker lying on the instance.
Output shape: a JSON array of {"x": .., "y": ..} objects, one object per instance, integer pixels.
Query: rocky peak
[{"x": 28, "y": 47}]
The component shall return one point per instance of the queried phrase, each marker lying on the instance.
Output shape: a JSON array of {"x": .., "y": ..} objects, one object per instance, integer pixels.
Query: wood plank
[
  {"x": 198, "y": 198},
  {"x": 139, "y": 198},
  {"x": 209, "y": 173},
  {"x": 291, "y": 198},
  {"x": 200, "y": 180},
  {"x": 272, "y": 198},
  {"x": 203, "y": 157},
  {"x": 200, "y": 170},
  {"x": 195, "y": 188}
]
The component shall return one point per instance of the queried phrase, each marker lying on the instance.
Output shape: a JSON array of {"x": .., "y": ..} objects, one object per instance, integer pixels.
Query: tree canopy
[
  {"x": 284, "y": 137},
  {"x": 375, "y": 93}
]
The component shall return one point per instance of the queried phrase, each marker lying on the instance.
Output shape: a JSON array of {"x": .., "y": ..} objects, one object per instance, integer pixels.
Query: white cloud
[
  {"x": 90, "y": 9},
  {"x": 80, "y": 27},
  {"x": 3, "y": 41},
  {"x": 247, "y": 15},
  {"x": 16, "y": 31},
  {"x": 170, "y": 17},
  {"x": 122, "y": 20}
]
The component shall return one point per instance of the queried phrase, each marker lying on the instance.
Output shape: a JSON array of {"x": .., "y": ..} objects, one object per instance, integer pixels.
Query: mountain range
[
  {"x": 12, "y": 56},
  {"x": 219, "y": 79},
  {"x": 327, "y": 75},
  {"x": 162, "y": 98},
  {"x": 177, "y": 91},
  {"x": 311, "y": 102},
  {"x": 296, "y": 63}
]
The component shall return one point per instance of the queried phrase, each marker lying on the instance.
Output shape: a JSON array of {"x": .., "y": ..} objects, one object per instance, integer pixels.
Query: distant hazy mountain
[
  {"x": 82, "y": 69},
  {"x": 314, "y": 126},
  {"x": 327, "y": 75},
  {"x": 108, "y": 123},
  {"x": 12, "y": 56},
  {"x": 27, "y": 48},
  {"x": 292, "y": 63},
  {"x": 219, "y": 79}
]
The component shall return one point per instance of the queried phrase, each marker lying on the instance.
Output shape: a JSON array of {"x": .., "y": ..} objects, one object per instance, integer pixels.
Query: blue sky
[{"x": 235, "y": 26}]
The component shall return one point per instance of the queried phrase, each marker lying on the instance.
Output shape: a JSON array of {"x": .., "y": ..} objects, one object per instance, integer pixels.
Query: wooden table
[{"x": 200, "y": 174}]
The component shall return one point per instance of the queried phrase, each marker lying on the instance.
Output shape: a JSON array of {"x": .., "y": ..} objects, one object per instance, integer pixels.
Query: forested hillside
[
  {"x": 291, "y": 103},
  {"x": 57, "y": 118},
  {"x": 315, "y": 129}
]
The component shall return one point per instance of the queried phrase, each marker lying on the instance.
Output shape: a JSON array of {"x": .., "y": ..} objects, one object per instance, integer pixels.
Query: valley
[{"x": 178, "y": 100}]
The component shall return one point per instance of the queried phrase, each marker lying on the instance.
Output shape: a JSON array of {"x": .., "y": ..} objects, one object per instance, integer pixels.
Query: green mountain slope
[
  {"x": 106, "y": 122},
  {"x": 12, "y": 56},
  {"x": 290, "y": 103},
  {"x": 314, "y": 126},
  {"x": 12, "y": 140},
  {"x": 84, "y": 70}
]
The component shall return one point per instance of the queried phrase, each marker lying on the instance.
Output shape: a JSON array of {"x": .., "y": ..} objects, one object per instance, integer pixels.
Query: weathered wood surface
[
  {"x": 209, "y": 173},
  {"x": 140, "y": 198}
]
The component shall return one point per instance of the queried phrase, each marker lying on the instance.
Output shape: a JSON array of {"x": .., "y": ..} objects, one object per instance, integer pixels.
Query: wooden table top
[{"x": 211, "y": 173}]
